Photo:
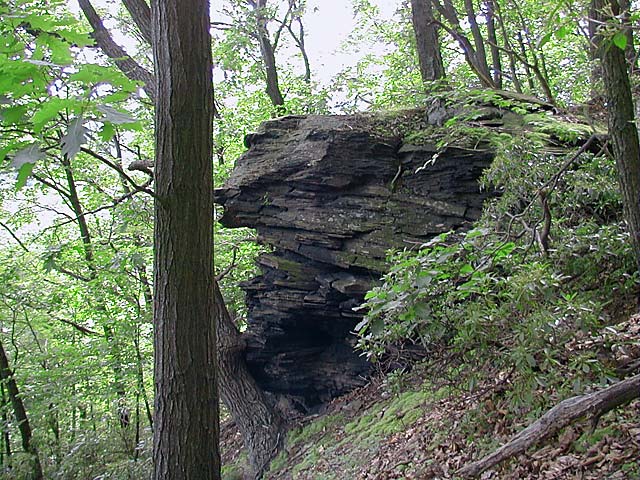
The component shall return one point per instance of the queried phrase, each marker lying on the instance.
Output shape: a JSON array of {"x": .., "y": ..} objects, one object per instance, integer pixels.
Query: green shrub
[{"x": 492, "y": 295}]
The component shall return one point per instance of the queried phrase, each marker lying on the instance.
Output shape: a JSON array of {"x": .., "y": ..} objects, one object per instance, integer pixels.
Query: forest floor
[{"x": 421, "y": 425}]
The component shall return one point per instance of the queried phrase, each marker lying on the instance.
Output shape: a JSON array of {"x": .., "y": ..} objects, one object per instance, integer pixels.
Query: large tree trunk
[
  {"x": 629, "y": 52},
  {"x": 622, "y": 129},
  {"x": 261, "y": 426},
  {"x": 186, "y": 430},
  {"x": 6, "y": 375},
  {"x": 427, "y": 43},
  {"x": 238, "y": 384}
]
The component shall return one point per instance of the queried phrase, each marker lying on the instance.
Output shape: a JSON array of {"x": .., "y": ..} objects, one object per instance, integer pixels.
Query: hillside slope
[
  {"x": 478, "y": 333},
  {"x": 405, "y": 426}
]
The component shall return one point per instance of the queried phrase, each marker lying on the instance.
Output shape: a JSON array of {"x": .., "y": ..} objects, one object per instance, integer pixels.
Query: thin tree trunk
[
  {"x": 537, "y": 64},
  {"x": 596, "y": 65},
  {"x": 630, "y": 51},
  {"x": 450, "y": 14},
  {"x": 141, "y": 389},
  {"x": 427, "y": 42},
  {"x": 527, "y": 69},
  {"x": 109, "y": 335},
  {"x": 268, "y": 55},
  {"x": 299, "y": 40},
  {"x": 509, "y": 49},
  {"x": 136, "y": 451},
  {"x": 186, "y": 429},
  {"x": 496, "y": 62},
  {"x": 6, "y": 375},
  {"x": 6, "y": 435},
  {"x": 481, "y": 54}
]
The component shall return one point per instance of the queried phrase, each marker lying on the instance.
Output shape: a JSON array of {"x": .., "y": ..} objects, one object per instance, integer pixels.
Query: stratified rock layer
[{"x": 331, "y": 194}]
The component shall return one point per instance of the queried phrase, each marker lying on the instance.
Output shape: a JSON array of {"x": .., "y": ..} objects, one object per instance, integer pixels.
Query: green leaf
[
  {"x": 13, "y": 115},
  {"x": 620, "y": 40},
  {"x": 422, "y": 310},
  {"x": 361, "y": 327},
  {"x": 424, "y": 279},
  {"x": 107, "y": 132},
  {"x": 544, "y": 40},
  {"x": 60, "y": 53},
  {"x": 504, "y": 250},
  {"x": 377, "y": 326},
  {"x": 79, "y": 39},
  {"x": 4, "y": 151},
  {"x": 23, "y": 174},
  {"x": 49, "y": 263},
  {"x": 466, "y": 269},
  {"x": 562, "y": 32},
  {"x": 50, "y": 109},
  {"x": 91, "y": 74},
  {"x": 476, "y": 232}
]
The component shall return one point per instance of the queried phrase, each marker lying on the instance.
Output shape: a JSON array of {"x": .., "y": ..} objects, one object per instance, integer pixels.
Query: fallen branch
[{"x": 593, "y": 405}]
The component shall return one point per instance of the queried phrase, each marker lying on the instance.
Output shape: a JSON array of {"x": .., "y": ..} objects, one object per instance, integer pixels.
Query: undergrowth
[{"x": 549, "y": 261}]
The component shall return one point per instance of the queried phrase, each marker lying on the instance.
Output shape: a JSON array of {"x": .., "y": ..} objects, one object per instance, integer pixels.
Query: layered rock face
[{"x": 330, "y": 195}]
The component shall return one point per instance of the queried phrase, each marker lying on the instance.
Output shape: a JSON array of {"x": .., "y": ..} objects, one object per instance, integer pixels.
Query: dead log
[{"x": 591, "y": 405}]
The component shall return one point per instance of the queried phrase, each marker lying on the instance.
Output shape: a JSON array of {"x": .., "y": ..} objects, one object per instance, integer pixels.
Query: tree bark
[
  {"x": 629, "y": 52},
  {"x": 450, "y": 14},
  {"x": 622, "y": 129},
  {"x": 239, "y": 385},
  {"x": 109, "y": 335},
  {"x": 481, "y": 54},
  {"x": 268, "y": 54},
  {"x": 5, "y": 453},
  {"x": 121, "y": 58},
  {"x": 496, "y": 62},
  {"x": 186, "y": 429},
  {"x": 141, "y": 15},
  {"x": 6, "y": 375},
  {"x": 508, "y": 48},
  {"x": 427, "y": 42},
  {"x": 594, "y": 405},
  {"x": 296, "y": 16},
  {"x": 260, "y": 424}
]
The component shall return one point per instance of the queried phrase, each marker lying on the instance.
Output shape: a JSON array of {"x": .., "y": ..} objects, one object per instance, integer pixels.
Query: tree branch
[
  {"x": 52, "y": 185},
  {"x": 141, "y": 15},
  {"x": 77, "y": 326},
  {"x": 121, "y": 172},
  {"x": 125, "y": 63},
  {"x": 230, "y": 267},
  {"x": 13, "y": 235},
  {"x": 593, "y": 405}
]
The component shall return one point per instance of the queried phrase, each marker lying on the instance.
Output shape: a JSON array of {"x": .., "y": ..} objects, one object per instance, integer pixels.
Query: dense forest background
[{"x": 551, "y": 262}]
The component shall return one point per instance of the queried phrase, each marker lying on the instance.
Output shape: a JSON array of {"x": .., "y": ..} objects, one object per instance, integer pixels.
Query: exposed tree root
[{"x": 592, "y": 405}]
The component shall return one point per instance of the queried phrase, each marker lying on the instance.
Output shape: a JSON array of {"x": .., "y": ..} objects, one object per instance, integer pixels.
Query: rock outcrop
[{"x": 330, "y": 195}]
